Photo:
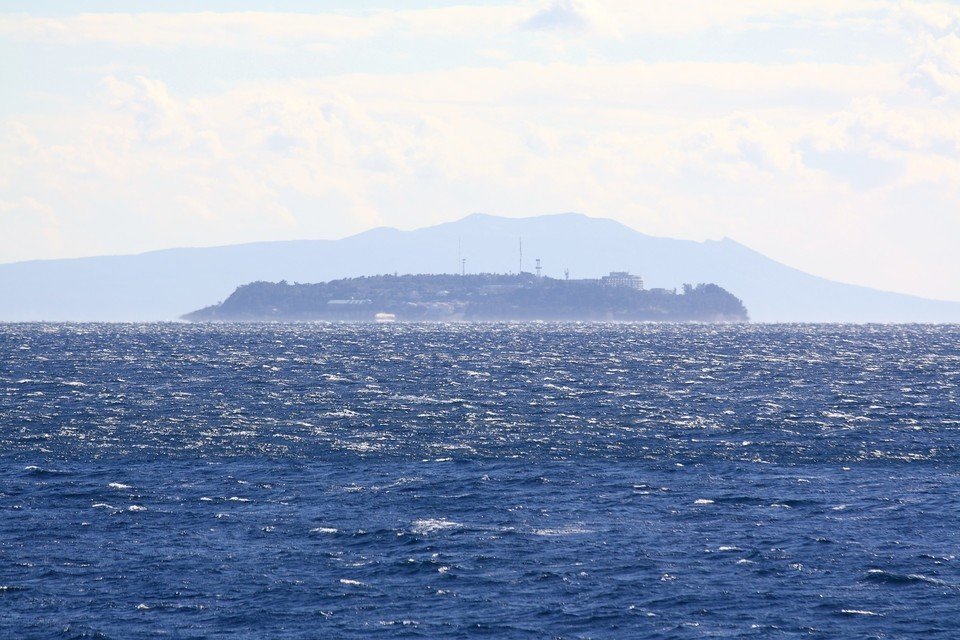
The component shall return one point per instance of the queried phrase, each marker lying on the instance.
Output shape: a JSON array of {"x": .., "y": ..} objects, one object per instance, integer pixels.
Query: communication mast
[
  {"x": 539, "y": 272},
  {"x": 463, "y": 266},
  {"x": 566, "y": 274}
]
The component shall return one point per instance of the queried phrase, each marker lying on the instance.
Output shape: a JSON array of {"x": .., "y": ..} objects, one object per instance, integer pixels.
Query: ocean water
[{"x": 503, "y": 481}]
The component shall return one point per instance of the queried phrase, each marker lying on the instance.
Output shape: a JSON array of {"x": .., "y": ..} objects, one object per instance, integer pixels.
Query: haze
[{"x": 823, "y": 134}]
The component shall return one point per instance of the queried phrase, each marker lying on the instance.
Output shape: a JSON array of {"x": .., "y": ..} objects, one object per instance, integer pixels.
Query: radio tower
[
  {"x": 538, "y": 268},
  {"x": 463, "y": 266}
]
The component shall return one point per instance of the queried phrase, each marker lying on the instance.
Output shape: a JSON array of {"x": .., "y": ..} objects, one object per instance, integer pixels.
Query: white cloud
[
  {"x": 566, "y": 17},
  {"x": 936, "y": 66},
  {"x": 617, "y": 18},
  {"x": 623, "y": 138},
  {"x": 265, "y": 31},
  {"x": 939, "y": 17},
  {"x": 253, "y": 30}
]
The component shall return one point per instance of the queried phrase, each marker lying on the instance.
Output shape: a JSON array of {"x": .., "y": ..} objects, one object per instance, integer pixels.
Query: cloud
[
  {"x": 562, "y": 15},
  {"x": 861, "y": 170},
  {"x": 262, "y": 31},
  {"x": 285, "y": 158},
  {"x": 683, "y": 17},
  {"x": 147, "y": 100},
  {"x": 938, "y": 17},
  {"x": 936, "y": 65},
  {"x": 277, "y": 31}
]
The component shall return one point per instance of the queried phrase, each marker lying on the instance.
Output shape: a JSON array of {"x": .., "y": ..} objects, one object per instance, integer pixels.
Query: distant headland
[{"x": 618, "y": 297}]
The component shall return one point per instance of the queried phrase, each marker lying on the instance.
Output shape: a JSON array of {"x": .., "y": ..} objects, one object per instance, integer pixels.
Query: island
[{"x": 619, "y": 297}]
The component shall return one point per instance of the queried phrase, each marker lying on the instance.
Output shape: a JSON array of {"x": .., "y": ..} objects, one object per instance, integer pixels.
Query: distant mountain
[
  {"x": 485, "y": 297},
  {"x": 163, "y": 285}
]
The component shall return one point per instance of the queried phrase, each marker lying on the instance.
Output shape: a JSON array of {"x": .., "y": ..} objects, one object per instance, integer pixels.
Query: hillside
[{"x": 471, "y": 297}]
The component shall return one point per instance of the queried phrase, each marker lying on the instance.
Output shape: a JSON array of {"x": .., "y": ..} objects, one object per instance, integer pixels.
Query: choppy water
[{"x": 479, "y": 481}]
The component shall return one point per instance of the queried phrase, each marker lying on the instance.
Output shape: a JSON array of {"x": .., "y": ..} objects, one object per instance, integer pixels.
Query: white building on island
[{"x": 622, "y": 279}]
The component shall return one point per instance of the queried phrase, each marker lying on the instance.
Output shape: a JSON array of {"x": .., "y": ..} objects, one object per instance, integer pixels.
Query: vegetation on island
[{"x": 480, "y": 297}]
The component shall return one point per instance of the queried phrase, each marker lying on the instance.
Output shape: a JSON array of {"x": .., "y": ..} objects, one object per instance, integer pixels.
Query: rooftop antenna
[{"x": 538, "y": 268}]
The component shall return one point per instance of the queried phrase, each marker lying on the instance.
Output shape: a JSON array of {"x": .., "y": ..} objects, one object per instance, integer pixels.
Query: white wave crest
[{"x": 432, "y": 525}]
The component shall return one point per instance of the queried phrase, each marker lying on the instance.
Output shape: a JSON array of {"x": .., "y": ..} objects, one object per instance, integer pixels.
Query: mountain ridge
[{"x": 166, "y": 283}]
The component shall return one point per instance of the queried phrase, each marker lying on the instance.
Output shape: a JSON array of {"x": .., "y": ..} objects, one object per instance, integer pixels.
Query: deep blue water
[{"x": 529, "y": 481}]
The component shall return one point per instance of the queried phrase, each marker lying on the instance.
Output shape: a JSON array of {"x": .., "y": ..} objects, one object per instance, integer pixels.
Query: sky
[{"x": 822, "y": 133}]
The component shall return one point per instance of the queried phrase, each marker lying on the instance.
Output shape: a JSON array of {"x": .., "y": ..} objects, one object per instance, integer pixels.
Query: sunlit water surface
[{"x": 525, "y": 481}]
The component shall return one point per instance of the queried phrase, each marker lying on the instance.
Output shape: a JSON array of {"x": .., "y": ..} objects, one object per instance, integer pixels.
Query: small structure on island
[
  {"x": 622, "y": 279},
  {"x": 349, "y": 308}
]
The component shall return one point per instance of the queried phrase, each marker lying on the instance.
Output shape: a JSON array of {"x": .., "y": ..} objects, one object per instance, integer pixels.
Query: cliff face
[{"x": 472, "y": 297}]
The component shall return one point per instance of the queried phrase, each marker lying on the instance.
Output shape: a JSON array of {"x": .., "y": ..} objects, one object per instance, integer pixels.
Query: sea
[{"x": 479, "y": 481}]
